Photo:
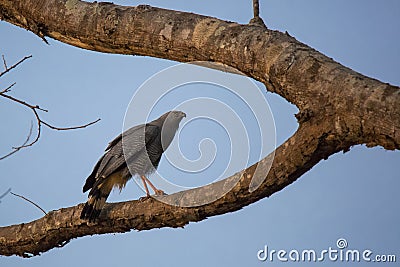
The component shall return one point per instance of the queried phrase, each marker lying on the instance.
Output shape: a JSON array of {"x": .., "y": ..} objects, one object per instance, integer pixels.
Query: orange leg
[
  {"x": 145, "y": 185},
  {"x": 158, "y": 192}
]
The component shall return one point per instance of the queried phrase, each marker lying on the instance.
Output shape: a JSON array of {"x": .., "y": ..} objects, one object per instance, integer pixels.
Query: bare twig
[
  {"x": 4, "y": 62},
  {"x": 35, "y": 109},
  {"x": 69, "y": 128},
  {"x": 6, "y": 193},
  {"x": 256, "y": 8},
  {"x": 22, "y": 102},
  {"x": 30, "y": 201},
  {"x": 8, "y": 88},
  {"x": 16, "y": 149},
  {"x": 42, "y": 36},
  {"x": 257, "y": 20},
  {"x": 13, "y": 66}
]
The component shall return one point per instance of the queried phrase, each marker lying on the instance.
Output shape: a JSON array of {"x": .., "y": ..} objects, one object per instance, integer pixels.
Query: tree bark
[{"x": 339, "y": 107}]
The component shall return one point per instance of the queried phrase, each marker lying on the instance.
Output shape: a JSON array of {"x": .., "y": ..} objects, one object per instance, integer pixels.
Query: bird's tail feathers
[{"x": 97, "y": 198}]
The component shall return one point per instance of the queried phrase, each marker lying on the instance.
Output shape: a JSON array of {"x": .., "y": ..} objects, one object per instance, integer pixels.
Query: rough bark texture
[{"x": 339, "y": 108}]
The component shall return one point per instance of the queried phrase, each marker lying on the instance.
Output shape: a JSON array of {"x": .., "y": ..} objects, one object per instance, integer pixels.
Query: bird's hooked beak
[{"x": 181, "y": 114}]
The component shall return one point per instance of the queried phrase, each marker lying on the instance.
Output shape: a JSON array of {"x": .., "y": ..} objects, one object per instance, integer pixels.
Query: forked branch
[
  {"x": 7, "y": 69},
  {"x": 35, "y": 109}
]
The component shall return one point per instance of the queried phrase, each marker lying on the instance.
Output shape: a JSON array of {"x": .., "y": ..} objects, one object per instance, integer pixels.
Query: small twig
[
  {"x": 6, "y": 193},
  {"x": 30, "y": 201},
  {"x": 8, "y": 88},
  {"x": 34, "y": 109},
  {"x": 42, "y": 36},
  {"x": 256, "y": 8},
  {"x": 69, "y": 128},
  {"x": 13, "y": 66},
  {"x": 16, "y": 149},
  {"x": 257, "y": 20},
  {"x": 22, "y": 102},
  {"x": 4, "y": 62}
]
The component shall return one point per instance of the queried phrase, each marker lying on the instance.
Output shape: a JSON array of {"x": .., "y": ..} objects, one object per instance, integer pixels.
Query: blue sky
[{"x": 351, "y": 196}]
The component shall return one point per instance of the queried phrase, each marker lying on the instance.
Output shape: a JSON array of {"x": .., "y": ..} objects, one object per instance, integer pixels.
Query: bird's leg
[
  {"x": 145, "y": 185},
  {"x": 158, "y": 192}
]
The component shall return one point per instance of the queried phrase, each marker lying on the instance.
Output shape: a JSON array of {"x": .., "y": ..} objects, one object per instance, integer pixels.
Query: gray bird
[{"x": 136, "y": 151}]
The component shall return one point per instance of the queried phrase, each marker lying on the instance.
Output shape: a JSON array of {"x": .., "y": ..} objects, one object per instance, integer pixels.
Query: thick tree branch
[
  {"x": 297, "y": 72},
  {"x": 339, "y": 108},
  {"x": 59, "y": 227}
]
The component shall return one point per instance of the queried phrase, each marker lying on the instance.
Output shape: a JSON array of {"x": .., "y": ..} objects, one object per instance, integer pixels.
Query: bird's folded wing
[{"x": 126, "y": 147}]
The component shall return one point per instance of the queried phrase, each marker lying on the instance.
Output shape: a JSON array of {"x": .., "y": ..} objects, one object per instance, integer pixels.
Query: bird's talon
[
  {"x": 141, "y": 199},
  {"x": 160, "y": 193}
]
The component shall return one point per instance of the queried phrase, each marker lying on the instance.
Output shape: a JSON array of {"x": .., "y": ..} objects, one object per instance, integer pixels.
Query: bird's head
[
  {"x": 174, "y": 116},
  {"x": 170, "y": 123},
  {"x": 178, "y": 115},
  {"x": 171, "y": 119}
]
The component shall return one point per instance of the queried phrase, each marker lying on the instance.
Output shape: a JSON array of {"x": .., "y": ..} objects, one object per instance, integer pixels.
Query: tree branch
[
  {"x": 257, "y": 20},
  {"x": 60, "y": 226},
  {"x": 16, "y": 149},
  {"x": 256, "y": 8},
  {"x": 30, "y": 201},
  {"x": 339, "y": 108},
  {"x": 5, "y": 194},
  {"x": 7, "y": 69},
  {"x": 364, "y": 106},
  {"x": 34, "y": 109}
]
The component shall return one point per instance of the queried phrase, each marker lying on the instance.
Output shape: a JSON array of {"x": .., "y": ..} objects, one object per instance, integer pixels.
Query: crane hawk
[{"x": 140, "y": 148}]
